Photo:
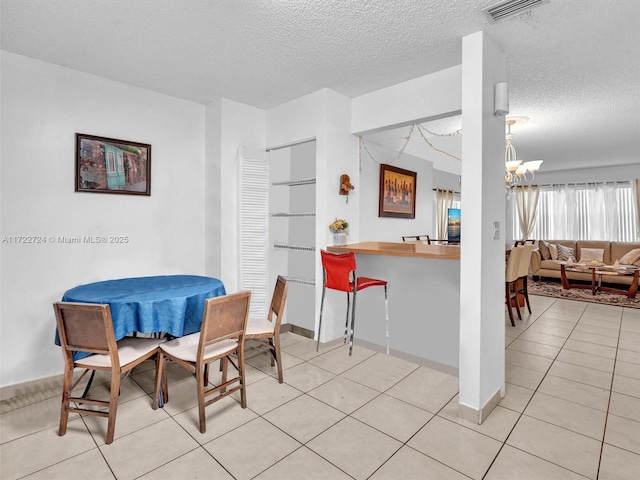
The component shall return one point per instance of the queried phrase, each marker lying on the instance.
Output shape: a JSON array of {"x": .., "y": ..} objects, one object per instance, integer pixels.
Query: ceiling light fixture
[{"x": 516, "y": 170}]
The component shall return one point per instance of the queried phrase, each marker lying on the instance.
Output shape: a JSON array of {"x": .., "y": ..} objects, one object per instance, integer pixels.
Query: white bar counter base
[{"x": 424, "y": 300}]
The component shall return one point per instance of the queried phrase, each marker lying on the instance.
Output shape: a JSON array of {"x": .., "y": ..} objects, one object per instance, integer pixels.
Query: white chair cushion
[
  {"x": 129, "y": 350},
  {"x": 186, "y": 348},
  {"x": 259, "y": 326}
]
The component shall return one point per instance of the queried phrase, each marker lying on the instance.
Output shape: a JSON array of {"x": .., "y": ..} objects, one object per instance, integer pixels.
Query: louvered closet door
[{"x": 254, "y": 230}]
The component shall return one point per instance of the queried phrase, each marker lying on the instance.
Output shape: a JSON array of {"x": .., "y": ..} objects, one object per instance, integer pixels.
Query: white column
[{"x": 482, "y": 255}]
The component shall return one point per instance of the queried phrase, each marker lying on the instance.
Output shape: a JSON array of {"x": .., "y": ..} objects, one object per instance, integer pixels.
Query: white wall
[
  {"x": 43, "y": 106},
  {"x": 603, "y": 174}
]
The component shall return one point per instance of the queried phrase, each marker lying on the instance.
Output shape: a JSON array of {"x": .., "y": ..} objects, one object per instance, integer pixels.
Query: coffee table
[{"x": 598, "y": 272}]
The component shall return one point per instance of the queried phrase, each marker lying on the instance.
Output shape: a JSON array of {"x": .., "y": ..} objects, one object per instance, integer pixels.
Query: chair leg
[
  {"x": 526, "y": 294},
  {"x": 272, "y": 349},
  {"x": 346, "y": 320},
  {"x": 276, "y": 344},
  {"x": 353, "y": 320},
  {"x": 66, "y": 393},
  {"x": 320, "y": 321},
  {"x": 159, "y": 394},
  {"x": 508, "y": 302},
  {"x": 200, "y": 391},
  {"x": 113, "y": 405},
  {"x": 517, "y": 302},
  {"x": 205, "y": 377},
  {"x": 386, "y": 313},
  {"x": 243, "y": 385}
]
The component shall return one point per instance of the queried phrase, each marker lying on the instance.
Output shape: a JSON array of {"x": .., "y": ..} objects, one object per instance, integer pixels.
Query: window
[{"x": 588, "y": 211}]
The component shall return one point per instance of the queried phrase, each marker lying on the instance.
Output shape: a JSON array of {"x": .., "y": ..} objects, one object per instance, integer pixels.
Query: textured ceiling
[{"x": 573, "y": 65}]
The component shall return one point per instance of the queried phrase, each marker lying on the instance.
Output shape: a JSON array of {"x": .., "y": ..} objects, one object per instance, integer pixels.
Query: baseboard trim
[
  {"x": 26, "y": 393},
  {"x": 476, "y": 416}
]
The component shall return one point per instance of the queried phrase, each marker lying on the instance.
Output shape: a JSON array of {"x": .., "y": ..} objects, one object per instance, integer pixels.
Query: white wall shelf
[
  {"x": 293, "y": 247},
  {"x": 293, "y": 214},
  {"x": 295, "y": 183},
  {"x": 302, "y": 281}
]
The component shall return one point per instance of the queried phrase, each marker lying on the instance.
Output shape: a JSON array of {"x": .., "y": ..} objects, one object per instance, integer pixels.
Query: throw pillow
[
  {"x": 553, "y": 251},
  {"x": 565, "y": 253},
  {"x": 631, "y": 257},
  {"x": 544, "y": 250},
  {"x": 587, "y": 254}
]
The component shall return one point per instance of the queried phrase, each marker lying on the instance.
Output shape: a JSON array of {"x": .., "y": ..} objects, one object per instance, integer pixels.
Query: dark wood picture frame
[
  {"x": 109, "y": 165},
  {"x": 397, "y": 196}
]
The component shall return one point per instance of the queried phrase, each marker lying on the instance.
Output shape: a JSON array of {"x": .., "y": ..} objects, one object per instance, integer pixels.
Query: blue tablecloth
[{"x": 173, "y": 304}]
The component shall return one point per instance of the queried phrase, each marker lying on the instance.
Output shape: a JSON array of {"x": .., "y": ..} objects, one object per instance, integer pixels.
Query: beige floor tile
[
  {"x": 618, "y": 464},
  {"x": 380, "y": 371},
  {"x": 577, "y": 418},
  {"x": 577, "y": 373},
  {"x": 90, "y": 464},
  {"x": 338, "y": 359},
  {"x": 498, "y": 425},
  {"x": 303, "y": 464},
  {"x": 182, "y": 396},
  {"x": 460, "y": 448},
  {"x": 305, "y": 349},
  {"x": 604, "y": 330},
  {"x": 131, "y": 416},
  {"x": 426, "y": 388},
  {"x": 626, "y": 385},
  {"x": 550, "y": 330},
  {"x": 251, "y": 448},
  {"x": 523, "y": 377},
  {"x": 263, "y": 363},
  {"x": 623, "y": 433},
  {"x": 629, "y": 345},
  {"x": 527, "y": 360},
  {"x": 557, "y": 445},
  {"x": 556, "y": 322},
  {"x": 221, "y": 417},
  {"x": 595, "y": 338},
  {"x": 304, "y": 417},
  {"x": 601, "y": 319},
  {"x": 630, "y": 336},
  {"x": 195, "y": 464},
  {"x": 409, "y": 464},
  {"x": 268, "y": 394},
  {"x": 344, "y": 394},
  {"x": 31, "y": 419},
  {"x": 19, "y": 456},
  {"x": 393, "y": 417},
  {"x": 136, "y": 454},
  {"x": 512, "y": 464},
  {"x": 563, "y": 314},
  {"x": 629, "y": 324},
  {"x": 534, "y": 348},
  {"x": 354, "y": 447},
  {"x": 627, "y": 369},
  {"x": 625, "y": 406},
  {"x": 306, "y": 376},
  {"x": 576, "y": 392},
  {"x": 543, "y": 338},
  {"x": 590, "y": 348},
  {"x": 628, "y": 356},
  {"x": 586, "y": 360},
  {"x": 516, "y": 397}
]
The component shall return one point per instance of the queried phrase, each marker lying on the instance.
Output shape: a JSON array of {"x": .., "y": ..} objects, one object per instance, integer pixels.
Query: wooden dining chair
[
  {"x": 339, "y": 273},
  {"x": 222, "y": 335},
  {"x": 511, "y": 279},
  {"x": 523, "y": 272},
  {"x": 84, "y": 327},
  {"x": 267, "y": 330}
]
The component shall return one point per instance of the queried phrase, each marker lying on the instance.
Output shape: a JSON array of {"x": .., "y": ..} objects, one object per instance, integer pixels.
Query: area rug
[{"x": 553, "y": 288}]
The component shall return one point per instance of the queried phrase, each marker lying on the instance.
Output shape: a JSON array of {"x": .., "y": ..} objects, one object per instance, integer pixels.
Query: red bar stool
[{"x": 339, "y": 273}]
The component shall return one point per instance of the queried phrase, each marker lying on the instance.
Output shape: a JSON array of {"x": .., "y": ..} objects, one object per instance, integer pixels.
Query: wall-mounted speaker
[{"x": 501, "y": 99}]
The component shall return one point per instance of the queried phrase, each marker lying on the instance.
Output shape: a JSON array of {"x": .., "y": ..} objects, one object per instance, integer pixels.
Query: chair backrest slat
[
  {"x": 513, "y": 264},
  {"x": 525, "y": 259},
  {"x": 85, "y": 327},
  {"x": 224, "y": 317},
  {"x": 278, "y": 300}
]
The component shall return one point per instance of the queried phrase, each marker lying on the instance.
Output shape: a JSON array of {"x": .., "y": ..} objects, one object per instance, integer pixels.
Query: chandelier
[{"x": 516, "y": 170}]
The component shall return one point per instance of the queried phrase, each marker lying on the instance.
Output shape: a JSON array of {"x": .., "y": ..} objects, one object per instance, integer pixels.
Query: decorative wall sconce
[{"x": 345, "y": 186}]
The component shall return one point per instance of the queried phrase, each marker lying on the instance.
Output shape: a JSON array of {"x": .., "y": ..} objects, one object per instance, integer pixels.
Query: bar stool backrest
[{"x": 337, "y": 269}]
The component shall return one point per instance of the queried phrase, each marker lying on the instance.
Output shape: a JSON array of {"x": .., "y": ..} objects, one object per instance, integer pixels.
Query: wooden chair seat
[
  {"x": 186, "y": 348},
  {"x": 130, "y": 349}
]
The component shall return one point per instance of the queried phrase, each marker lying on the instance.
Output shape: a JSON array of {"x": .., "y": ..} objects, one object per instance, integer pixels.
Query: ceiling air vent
[{"x": 511, "y": 7}]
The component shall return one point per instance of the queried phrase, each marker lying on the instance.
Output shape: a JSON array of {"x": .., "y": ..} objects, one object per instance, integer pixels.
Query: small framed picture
[
  {"x": 397, "y": 192},
  {"x": 108, "y": 165}
]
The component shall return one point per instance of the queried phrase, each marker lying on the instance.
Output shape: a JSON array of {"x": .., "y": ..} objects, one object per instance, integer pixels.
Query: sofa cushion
[
  {"x": 550, "y": 265},
  {"x": 597, "y": 244},
  {"x": 618, "y": 249},
  {"x": 587, "y": 254},
  {"x": 565, "y": 253},
  {"x": 544, "y": 250},
  {"x": 553, "y": 251},
  {"x": 631, "y": 258}
]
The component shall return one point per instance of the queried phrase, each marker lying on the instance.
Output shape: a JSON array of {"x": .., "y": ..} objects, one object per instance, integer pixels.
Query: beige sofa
[{"x": 612, "y": 251}]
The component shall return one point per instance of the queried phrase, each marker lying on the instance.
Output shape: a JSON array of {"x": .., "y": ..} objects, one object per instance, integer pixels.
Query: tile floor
[{"x": 571, "y": 411}]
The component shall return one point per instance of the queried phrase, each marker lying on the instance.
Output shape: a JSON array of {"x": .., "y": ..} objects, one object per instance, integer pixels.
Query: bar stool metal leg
[
  {"x": 346, "y": 322},
  {"x": 386, "y": 312},
  {"x": 320, "y": 321},
  {"x": 353, "y": 319}
]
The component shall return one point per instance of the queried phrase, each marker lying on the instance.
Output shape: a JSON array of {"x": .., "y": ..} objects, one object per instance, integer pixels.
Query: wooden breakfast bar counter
[{"x": 424, "y": 300}]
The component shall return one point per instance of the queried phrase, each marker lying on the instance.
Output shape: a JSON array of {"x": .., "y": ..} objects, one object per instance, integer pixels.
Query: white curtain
[
  {"x": 636, "y": 194},
  {"x": 527, "y": 203},
  {"x": 444, "y": 201}
]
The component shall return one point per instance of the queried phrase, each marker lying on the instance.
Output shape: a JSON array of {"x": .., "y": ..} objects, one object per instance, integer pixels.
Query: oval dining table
[{"x": 171, "y": 304}]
